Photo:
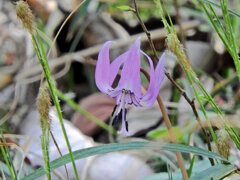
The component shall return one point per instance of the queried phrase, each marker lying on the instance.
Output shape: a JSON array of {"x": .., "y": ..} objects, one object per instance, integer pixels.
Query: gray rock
[
  {"x": 31, "y": 127},
  {"x": 117, "y": 166}
]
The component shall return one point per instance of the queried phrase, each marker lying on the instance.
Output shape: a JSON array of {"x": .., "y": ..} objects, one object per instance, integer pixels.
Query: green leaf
[
  {"x": 199, "y": 168},
  {"x": 219, "y": 6},
  {"x": 124, "y": 8},
  {"x": 163, "y": 133},
  {"x": 214, "y": 172},
  {"x": 189, "y": 171},
  {"x": 102, "y": 149}
]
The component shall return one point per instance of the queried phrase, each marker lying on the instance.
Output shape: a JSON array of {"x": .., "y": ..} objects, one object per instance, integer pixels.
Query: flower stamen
[{"x": 114, "y": 109}]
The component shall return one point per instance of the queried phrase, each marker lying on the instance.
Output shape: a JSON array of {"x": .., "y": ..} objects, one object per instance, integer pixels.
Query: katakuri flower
[{"x": 128, "y": 90}]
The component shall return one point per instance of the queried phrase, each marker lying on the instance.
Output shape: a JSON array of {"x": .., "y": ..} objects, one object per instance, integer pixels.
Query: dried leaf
[{"x": 99, "y": 105}]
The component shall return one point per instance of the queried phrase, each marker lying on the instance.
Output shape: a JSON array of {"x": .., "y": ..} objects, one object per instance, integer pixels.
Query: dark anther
[
  {"x": 120, "y": 115},
  {"x": 126, "y": 123},
  {"x": 117, "y": 117},
  {"x": 114, "y": 120},
  {"x": 125, "y": 119},
  {"x": 114, "y": 109}
]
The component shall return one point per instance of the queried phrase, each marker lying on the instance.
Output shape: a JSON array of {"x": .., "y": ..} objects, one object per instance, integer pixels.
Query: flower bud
[
  {"x": 174, "y": 45},
  {"x": 24, "y": 13},
  {"x": 44, "y": 104},
  {"x": 223, "y": 143}
]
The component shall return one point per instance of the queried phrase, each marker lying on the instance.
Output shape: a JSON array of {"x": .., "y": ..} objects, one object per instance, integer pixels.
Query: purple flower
[{"x": 128, "y": 90}]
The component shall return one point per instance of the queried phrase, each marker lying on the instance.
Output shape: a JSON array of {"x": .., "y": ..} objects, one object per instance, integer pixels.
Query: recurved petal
[
  {"x": 102, "y": 72},
  {"x": 157, "y": 80},
  {"x": 115, "y": 66},
  {"x": 130, "y": 75},
  {"x": 149, "y": 92}
]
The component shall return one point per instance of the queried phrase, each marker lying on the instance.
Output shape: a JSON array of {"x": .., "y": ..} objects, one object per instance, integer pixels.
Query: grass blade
[
  {"x": 215, "y": 172},
  {"x": 114, "y": 147},
  {"x": 219, "y": 6},
  {"x": 43, "y": 60}
]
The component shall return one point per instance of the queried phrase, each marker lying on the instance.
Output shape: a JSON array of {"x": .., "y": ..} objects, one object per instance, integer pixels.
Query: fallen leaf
[
  {"x": 5, "y": 79},
  {"x": 99, "y": 105}
]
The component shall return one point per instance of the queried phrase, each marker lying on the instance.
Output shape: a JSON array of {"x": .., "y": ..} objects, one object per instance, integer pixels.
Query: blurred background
[{"x": 72, "y": 61}]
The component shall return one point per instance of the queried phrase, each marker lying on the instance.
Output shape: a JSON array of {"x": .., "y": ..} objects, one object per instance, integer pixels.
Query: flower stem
[
  {"x": 172, "y": 137},
  {"x": 43, "y": 60},
  {"x": 165, "y": 115},
  {"x": 192, "y": 104},
  {"x": 170, "y": 130}
]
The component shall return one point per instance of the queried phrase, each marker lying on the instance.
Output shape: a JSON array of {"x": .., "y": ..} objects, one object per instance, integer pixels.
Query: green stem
[
  {"x": 219, "y": 6},
  {"x": 230, "y": 130},
  {"x": 9, "y": 164},
  {"x": 43, "y": 60},
  {"x": 191, "y": 166},
  {"x": 47, "y": 153},
  {"x": 226, "y": 34},
  {"x": 201, "y": 105},
  {"x": 44, "y": 144}
]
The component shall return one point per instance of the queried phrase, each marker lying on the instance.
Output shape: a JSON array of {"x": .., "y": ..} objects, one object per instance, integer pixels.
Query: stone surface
[
  {"x": 31, "y": 127},
  {"x": 117, "y": 166}
]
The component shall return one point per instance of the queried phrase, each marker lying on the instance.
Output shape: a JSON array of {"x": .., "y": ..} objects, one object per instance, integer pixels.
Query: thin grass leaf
[
  {"x": 169, "y": 172},
  {"x": 229, "y": 28},
  {"x": 191, "y": 166},
  {"x": 114, "y": 147},
  {"x": 226, "y": 34},
  {"x": 219, "y": 24},
  {"x": 222, "y": 85},
  {"x": 43, "y": 60},
  {"x": 7, "y": 157},
  {"x": 235, "y": 21},
  {"x": 231, "y": 131},
  {"x": 219, "y": 6},
  {"x": 7, "y": 162},
  {"x": 216, "y": 16},
  {"x": 215, "y": 172},
  {"x": 201, "y": 105},
  {"x": 226, "y": 18},
  {"x": 221, "y": 35}
]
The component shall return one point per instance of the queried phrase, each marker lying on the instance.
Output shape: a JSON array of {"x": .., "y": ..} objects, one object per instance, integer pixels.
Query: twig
[
  {"x": 63, "y": 24},
  {"x": 192, "y": 104},
  {"x": 170, "y": 130},
  {"x": 183, "y": 93},
  {"x": 172, "y": 136},
  {"x": 59, "y": 151},
  {"x": 165, "y": 115}
]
